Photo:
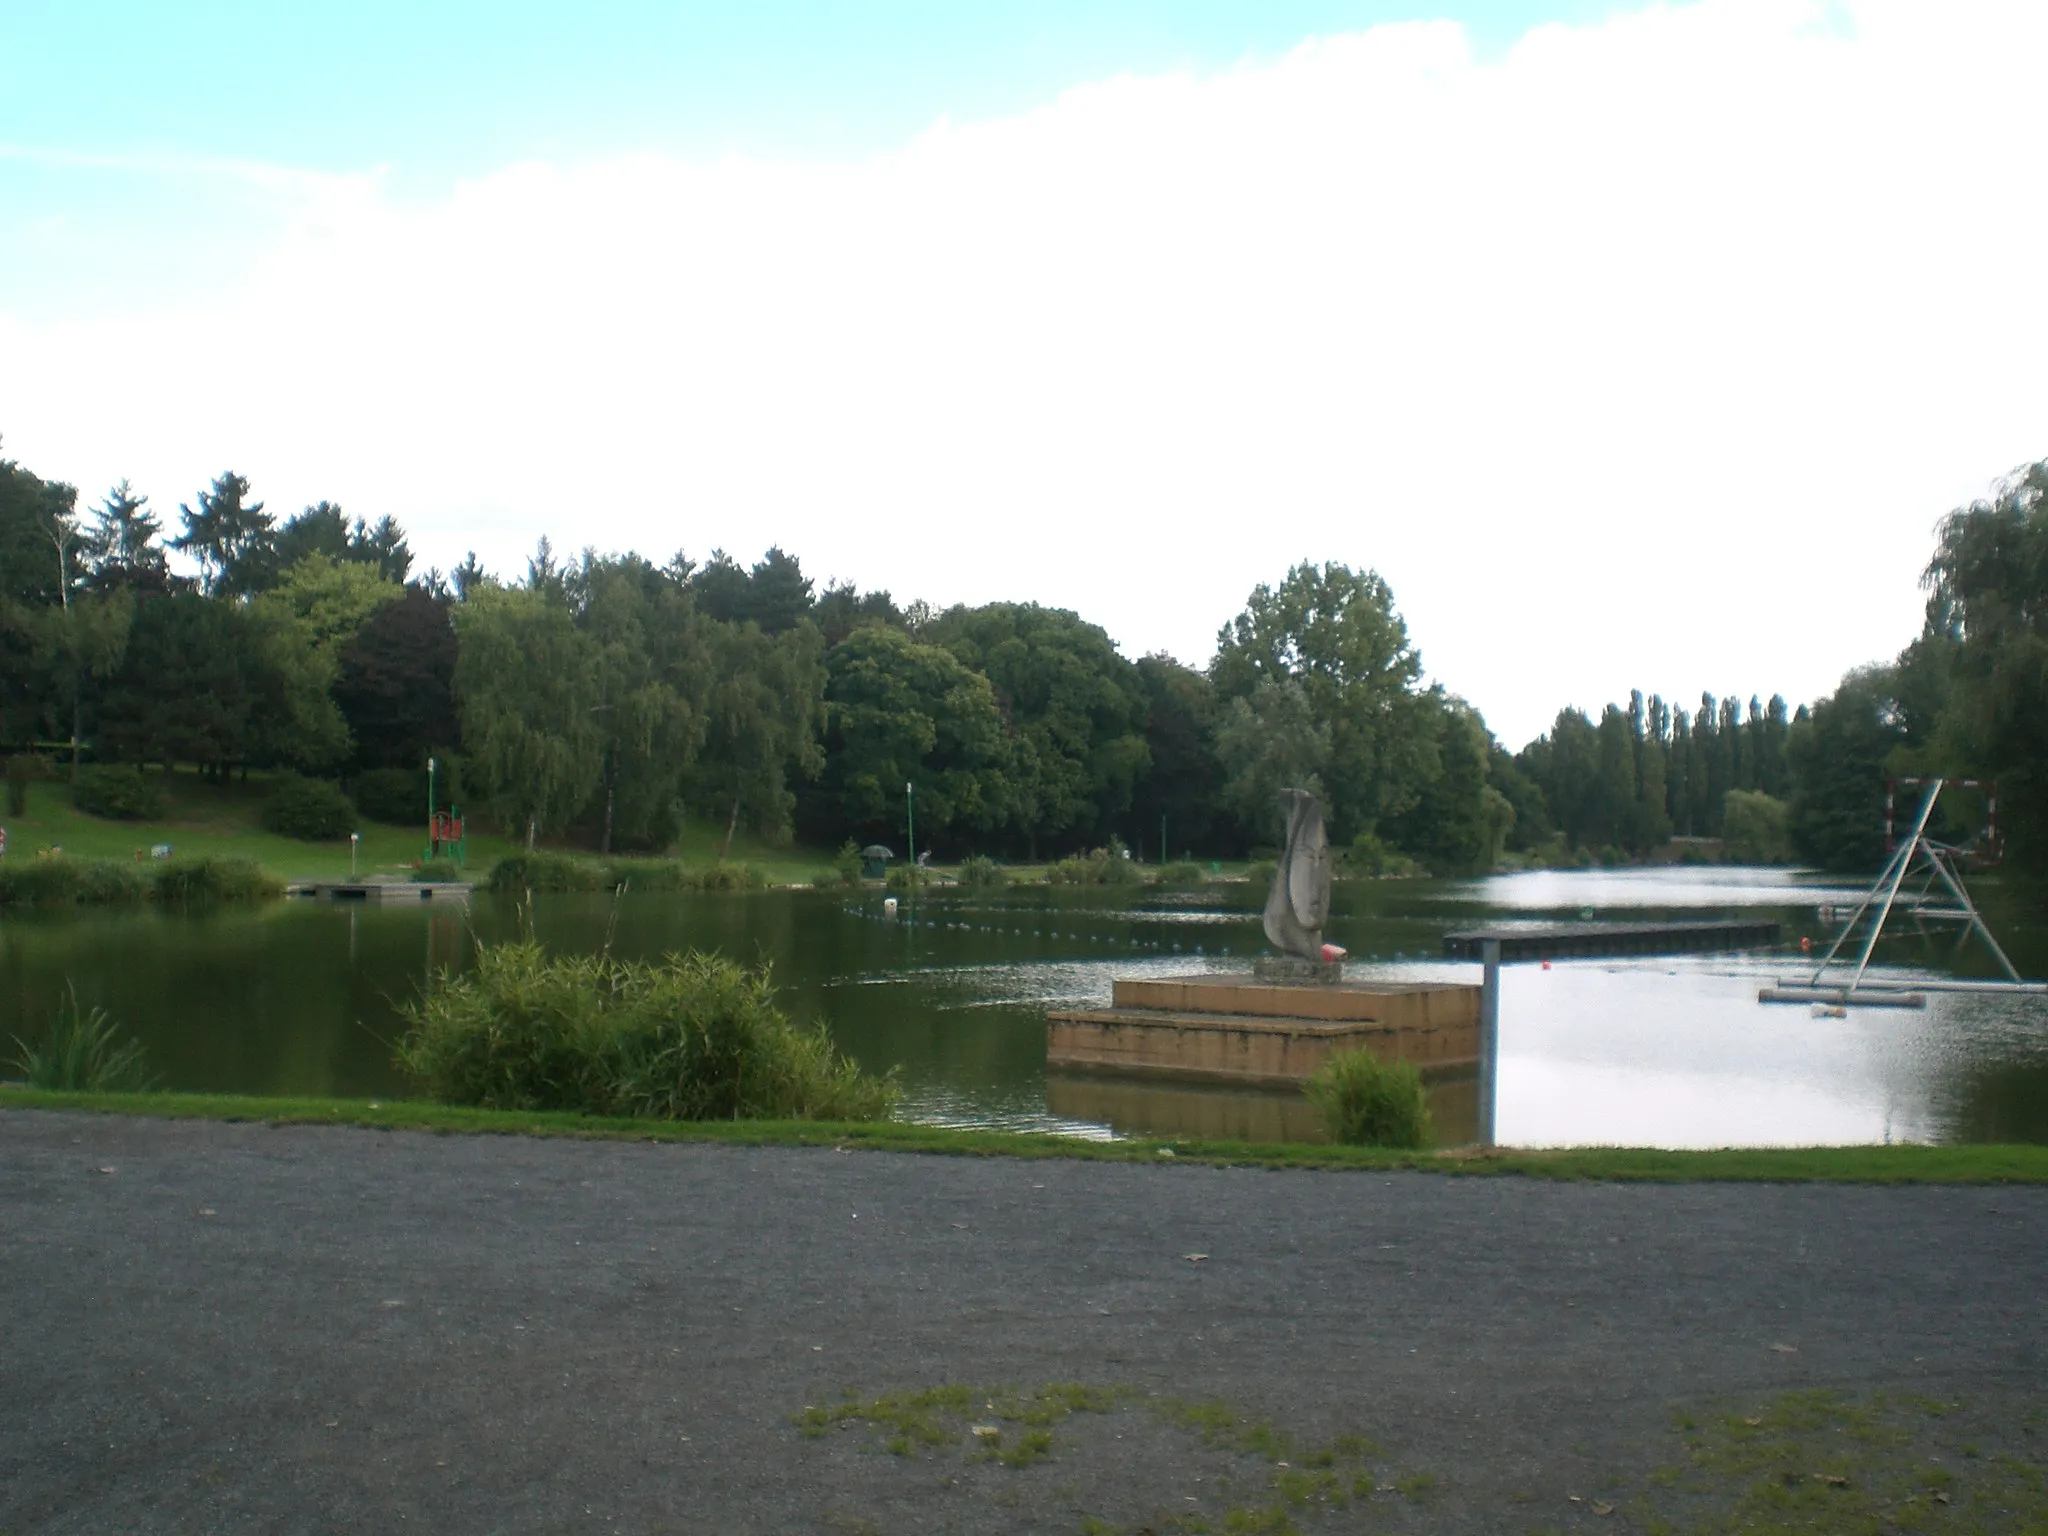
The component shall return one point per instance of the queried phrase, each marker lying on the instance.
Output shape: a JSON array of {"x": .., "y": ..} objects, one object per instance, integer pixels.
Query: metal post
[
  {"x": 1489, "y": 1039},
  {"x": 910, "y": 815},
  {"x": 433, "y": 846}
]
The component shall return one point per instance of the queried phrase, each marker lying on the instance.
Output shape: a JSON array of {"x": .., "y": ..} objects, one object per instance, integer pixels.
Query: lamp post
[
  {"x": 432, "y": 851},
  {"x": 910, "y": 819}
]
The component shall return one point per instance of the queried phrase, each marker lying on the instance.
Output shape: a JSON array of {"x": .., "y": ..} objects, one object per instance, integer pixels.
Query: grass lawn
[
  {"x": 1840, "y": 1165},
  {"x": 206, "y": 818}
]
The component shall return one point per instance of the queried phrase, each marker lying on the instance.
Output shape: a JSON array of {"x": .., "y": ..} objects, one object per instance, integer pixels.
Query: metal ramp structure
[{"x": 1939, "y": 898}]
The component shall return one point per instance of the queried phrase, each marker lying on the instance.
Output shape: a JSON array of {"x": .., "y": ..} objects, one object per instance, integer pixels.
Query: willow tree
[{"x": 527, "y": 687}]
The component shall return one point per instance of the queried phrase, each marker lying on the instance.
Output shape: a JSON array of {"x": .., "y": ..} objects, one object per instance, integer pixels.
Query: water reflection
[{"x": 951, "y": 993}]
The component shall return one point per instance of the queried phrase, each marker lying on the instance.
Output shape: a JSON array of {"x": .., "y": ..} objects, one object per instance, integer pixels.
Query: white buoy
[{"x": 889, "y": 906}]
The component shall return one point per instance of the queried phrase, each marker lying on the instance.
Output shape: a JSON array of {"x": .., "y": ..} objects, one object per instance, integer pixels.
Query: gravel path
[{"x": 212, "y": 1327}]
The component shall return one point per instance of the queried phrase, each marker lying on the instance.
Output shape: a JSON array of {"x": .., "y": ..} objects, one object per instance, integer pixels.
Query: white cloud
[{"x": 1645, "y": 354}]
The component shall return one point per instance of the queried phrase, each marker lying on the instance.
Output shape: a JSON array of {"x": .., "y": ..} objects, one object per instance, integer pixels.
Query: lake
[{"x": 301, "y": 997}]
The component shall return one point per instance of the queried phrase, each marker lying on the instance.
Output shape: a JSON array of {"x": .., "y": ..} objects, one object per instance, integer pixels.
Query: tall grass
[
  {"x": 1181, "y": 873},
  {"x": 1098, "y": 866},
  {"x": 693, "y": 1037},
  {"x": 1366, "y": 1102},
  {"x": 83, "y": 1053},
  {"x": 61, "y": 881}
]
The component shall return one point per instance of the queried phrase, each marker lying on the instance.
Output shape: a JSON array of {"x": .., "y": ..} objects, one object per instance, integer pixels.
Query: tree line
[{"x": 603, "y": 699}]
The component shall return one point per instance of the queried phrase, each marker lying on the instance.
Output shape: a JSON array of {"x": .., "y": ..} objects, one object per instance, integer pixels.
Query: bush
[
  {"x": 1372, "y": 859},
  {"x": 907, "y": 877},
  {"x": 436, "y": 871},
  {"x": 213, "y": 877},
  {"x": 983, "y": 872},
  {"x": 83, "y": 1053},
  {"x": 312, "y": 810},
  {"x": 1366, "y": 1102},
  {"x": 694, "y": 1037},
  {"x": 1184, "y": 872},
  {"x": 545, "y": 871},
  {"x": 1098, "y": 866},
  {"x": 1261, "y": 873},
  {"x": 845, "y": 865},
  {"x": 117, "y": 794}
]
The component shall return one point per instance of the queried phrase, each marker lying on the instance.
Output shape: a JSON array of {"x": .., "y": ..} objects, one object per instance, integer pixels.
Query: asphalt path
[{"x": 214, "y": 1327}]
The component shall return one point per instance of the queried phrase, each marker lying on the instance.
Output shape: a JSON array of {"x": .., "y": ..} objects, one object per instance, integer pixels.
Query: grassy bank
[
  {"x": 1844, "y": 1165},
  {"x": 203, "y": 819}
]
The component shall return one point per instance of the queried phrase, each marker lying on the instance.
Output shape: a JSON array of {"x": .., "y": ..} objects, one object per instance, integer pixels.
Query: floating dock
[
  {"x": 1596, "y": 941},
  {"x": 1240, "y": 1029},
  {"x": 384, "y": 890}
]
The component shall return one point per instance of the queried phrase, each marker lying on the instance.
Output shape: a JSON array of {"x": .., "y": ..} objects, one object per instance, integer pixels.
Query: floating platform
[
  {"x": 384, "y": 890},
  {"x": 1227, "y": 1028},
  {"x": 1594, "y": 941},
  {"x": 1845, "y": 997}
]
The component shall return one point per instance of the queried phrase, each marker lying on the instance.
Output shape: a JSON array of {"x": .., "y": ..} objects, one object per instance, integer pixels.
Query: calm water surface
[{"x": 304, "y": 998}]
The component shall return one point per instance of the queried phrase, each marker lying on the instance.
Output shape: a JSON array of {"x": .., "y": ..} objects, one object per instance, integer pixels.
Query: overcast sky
[{"x": 1633, "y": 346}]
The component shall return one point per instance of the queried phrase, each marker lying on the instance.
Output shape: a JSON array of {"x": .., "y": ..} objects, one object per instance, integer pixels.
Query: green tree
[
  {"x": 1184, "y": 778},
  {"x": 1986, "y": 635},
  {"x": 1269, "y": 742},
  {"x": 1335, "y": 632},
  {"x": 232, "y": 538},
  {"x": 1458, "y": 822},
  {"x": 395, "y": 683},
  {"x": 189, "y": 686},
  {"x": 763, "y": 714},
  {"x": 899, "y": 712},
  {"x": 121, "y": 550},
  {"x": 654, "y": 670},
  {"x": 1075, "y": 709},
  {"x": 1838, "y": 757},
  {"x": 527, "y": 691}
]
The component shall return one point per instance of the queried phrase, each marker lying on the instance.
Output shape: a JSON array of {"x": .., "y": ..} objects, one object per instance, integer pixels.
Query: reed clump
[
  {"x": 1180, "y": 874},
  {"x": 83, "y": 1052},
  {"x": 691, "y": 1037},
  {"x": 57, "y": 880},
  {"x": 1366, "y": 1102}
]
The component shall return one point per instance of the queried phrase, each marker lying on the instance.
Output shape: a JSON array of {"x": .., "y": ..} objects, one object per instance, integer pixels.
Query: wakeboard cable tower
[{"x": 1933, "y": 863}]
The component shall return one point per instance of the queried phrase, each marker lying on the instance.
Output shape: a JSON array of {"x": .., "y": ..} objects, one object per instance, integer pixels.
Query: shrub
[
  {"x": 983, "y": 872},
  {"x": 1261, "y": 873},
  {"x": 83, "y": 1053},
  {"x": 730, "y": 877},
  {"x": 693, "y": 1037},
  {"x": 1369, "y": 857},
  {"x": 1366, "y": 1102},
  {"x": 1184, "y": 872},
  {"x": 118, "y": 794},
  {"x": 845, "y": 865},
  {"x": 213, "y": 877},
  {"x": 907, "y": 877},
  {"x": 1098, "y": 866},
  {"x": 312, "y": 810},
  {"x": 542, "y": 870},
  {"x": 435, "y": 871}
]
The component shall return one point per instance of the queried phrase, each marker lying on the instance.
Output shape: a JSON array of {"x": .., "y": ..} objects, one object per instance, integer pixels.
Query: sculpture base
[
  {"x": 1243, "y": 1029},
  {"x": 1296, "y": 971}
]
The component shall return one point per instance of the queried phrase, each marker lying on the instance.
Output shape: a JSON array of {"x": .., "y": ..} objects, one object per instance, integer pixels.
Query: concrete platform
[{"x": 1238, "y": 1029}]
